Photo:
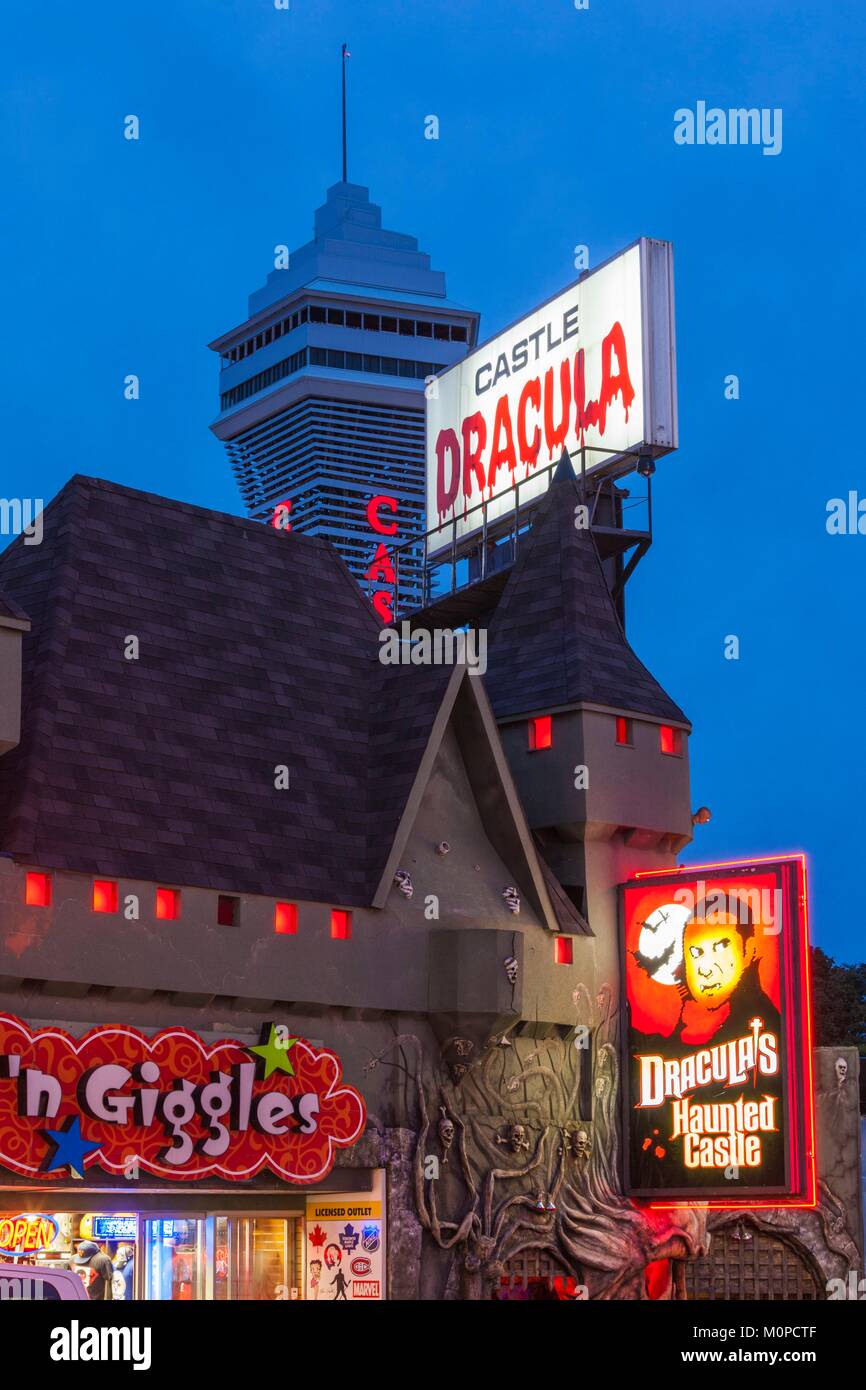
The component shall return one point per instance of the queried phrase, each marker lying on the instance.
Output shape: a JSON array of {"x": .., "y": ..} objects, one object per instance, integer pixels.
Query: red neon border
[{"x": 797, "y": 857}]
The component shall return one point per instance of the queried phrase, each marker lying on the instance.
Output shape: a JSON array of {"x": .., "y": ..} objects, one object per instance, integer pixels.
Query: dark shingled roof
[
  {"x": 556, "y": 638},
  {"x": 256, "y": 649},
  {"x": 8, "y": 609}
]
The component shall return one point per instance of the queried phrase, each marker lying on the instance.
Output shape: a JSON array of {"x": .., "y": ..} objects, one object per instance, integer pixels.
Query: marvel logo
[{"x": 365, "y": 1288}]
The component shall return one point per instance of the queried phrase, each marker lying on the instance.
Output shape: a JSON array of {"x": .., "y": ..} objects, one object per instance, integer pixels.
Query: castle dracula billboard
[
  {"x": 591, "y": 371},
  {"x": 717, "y": 1082}
]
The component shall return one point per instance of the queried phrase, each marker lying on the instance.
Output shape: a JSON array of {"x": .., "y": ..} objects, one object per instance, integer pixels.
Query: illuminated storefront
[{"x": 186, "y": 1162}]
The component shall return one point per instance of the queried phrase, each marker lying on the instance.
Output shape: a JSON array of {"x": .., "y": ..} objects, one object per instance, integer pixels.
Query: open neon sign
[{"x": 27, "y": 1234}]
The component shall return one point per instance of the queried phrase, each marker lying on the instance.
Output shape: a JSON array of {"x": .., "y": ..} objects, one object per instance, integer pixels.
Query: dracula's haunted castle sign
[
  {"x": 171, "y": 1104},
  {"x": 718, "y": 1097}
]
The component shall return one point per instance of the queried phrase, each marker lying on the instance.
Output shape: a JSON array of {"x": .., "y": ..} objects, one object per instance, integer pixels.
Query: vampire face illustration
[{"x": 716, "y": 950}]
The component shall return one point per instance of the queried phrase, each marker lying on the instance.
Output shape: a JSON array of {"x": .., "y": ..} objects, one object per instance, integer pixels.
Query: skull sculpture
[
  {"x": 446, "y": 1133},
  {"x": 404, "y": 883},
  {"x": 515, "y": 1138},
  {"x": 841, "y": 1066},
  {"x": 581, "y": 1145},
  {"x": 512, "y": 899},
  {"x": 510, "y": 964}
]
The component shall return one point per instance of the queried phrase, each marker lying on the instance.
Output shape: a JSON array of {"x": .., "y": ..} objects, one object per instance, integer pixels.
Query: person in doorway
[
  {"x": 121, "y": 1284},
  {"x": 91, "y": 1258}
]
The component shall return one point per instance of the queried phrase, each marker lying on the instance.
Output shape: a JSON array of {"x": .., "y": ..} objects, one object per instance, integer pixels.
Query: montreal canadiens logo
[{"x": 361, "y": 1266}]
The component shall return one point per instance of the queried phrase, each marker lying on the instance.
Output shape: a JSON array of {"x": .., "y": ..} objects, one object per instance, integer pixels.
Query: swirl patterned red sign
[{"x": 171, "y": 1104}]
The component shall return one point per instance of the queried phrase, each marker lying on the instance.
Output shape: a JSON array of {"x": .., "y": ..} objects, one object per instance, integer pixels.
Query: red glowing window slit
[
  {"x": 168, "y": 904},
  {"x": 540, "y": 733},
  {"x": 341, "y": 924},
  {"x": 285, "y": 919},
  {"x": 562, "y": 950},
  {"x": 227, "y": 909},
  {"x": 104, "y": 895},
  {"x": 37, "y": 890},
  {"x": 670, "y": 739},
  {"x": 623, "y": 729}
]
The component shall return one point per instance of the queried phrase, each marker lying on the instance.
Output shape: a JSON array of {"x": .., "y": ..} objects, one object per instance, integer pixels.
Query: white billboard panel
[{"x": 591, "y": 369}]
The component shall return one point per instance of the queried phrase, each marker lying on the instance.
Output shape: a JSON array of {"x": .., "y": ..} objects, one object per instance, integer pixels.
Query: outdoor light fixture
[{"x": 702, "y": 816}]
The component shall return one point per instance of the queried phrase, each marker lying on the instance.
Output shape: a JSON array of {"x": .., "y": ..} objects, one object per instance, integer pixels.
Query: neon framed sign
[{"x": 717, "y": 1094}]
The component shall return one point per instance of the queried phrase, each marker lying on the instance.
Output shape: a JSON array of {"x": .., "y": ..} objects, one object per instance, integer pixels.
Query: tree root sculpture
[{"x": 563, "y": 1196}]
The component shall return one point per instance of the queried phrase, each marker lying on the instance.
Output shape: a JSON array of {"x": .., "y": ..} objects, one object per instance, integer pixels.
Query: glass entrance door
[
  {"x": 253, "y": 1257},
  {"x": 174, "y": 1260}
]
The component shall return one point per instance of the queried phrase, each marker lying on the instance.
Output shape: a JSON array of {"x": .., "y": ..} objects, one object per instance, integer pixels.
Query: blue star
[{"x": 69, "y": 1148}]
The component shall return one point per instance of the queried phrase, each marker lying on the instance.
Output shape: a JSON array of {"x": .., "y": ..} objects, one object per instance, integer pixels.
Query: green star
[{"x": 275, "y": 1052}]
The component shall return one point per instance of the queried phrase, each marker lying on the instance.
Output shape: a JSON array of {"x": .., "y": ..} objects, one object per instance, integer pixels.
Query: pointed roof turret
[{"x": 556, "y": 639}]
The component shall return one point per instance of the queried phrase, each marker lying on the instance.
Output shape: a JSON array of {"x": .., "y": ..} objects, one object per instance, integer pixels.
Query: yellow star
[{"x": 275, "y": 1052}]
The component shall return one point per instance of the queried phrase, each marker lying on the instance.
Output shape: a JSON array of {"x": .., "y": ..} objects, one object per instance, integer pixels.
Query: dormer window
[
  {"x": 670, "y": 740},
  {"x": 540, "y": 733}
]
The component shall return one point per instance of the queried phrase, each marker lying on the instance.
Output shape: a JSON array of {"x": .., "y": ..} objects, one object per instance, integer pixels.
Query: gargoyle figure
[{"x": 404, "y": 883}]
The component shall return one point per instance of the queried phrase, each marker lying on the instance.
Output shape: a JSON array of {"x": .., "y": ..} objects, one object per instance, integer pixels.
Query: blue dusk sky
[{"x": 556, "y": 129}]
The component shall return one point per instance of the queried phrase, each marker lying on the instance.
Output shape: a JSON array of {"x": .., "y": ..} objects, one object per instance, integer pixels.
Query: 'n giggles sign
[{"x": 171, "y": 1104}]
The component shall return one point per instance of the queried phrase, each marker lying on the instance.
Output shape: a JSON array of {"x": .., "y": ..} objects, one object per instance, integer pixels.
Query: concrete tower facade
[
  {"x": 598, "y": 750},
  {"x": 322, "y": 388}
]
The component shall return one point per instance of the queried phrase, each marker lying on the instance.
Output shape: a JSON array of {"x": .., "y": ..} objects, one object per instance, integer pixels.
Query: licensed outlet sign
[
  {"x": 718, "y": 1095},
  {"x": 345, "y": 1240},
  {"x": 593, "y": 369},
  {"x": 171, "y": 1104}
]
